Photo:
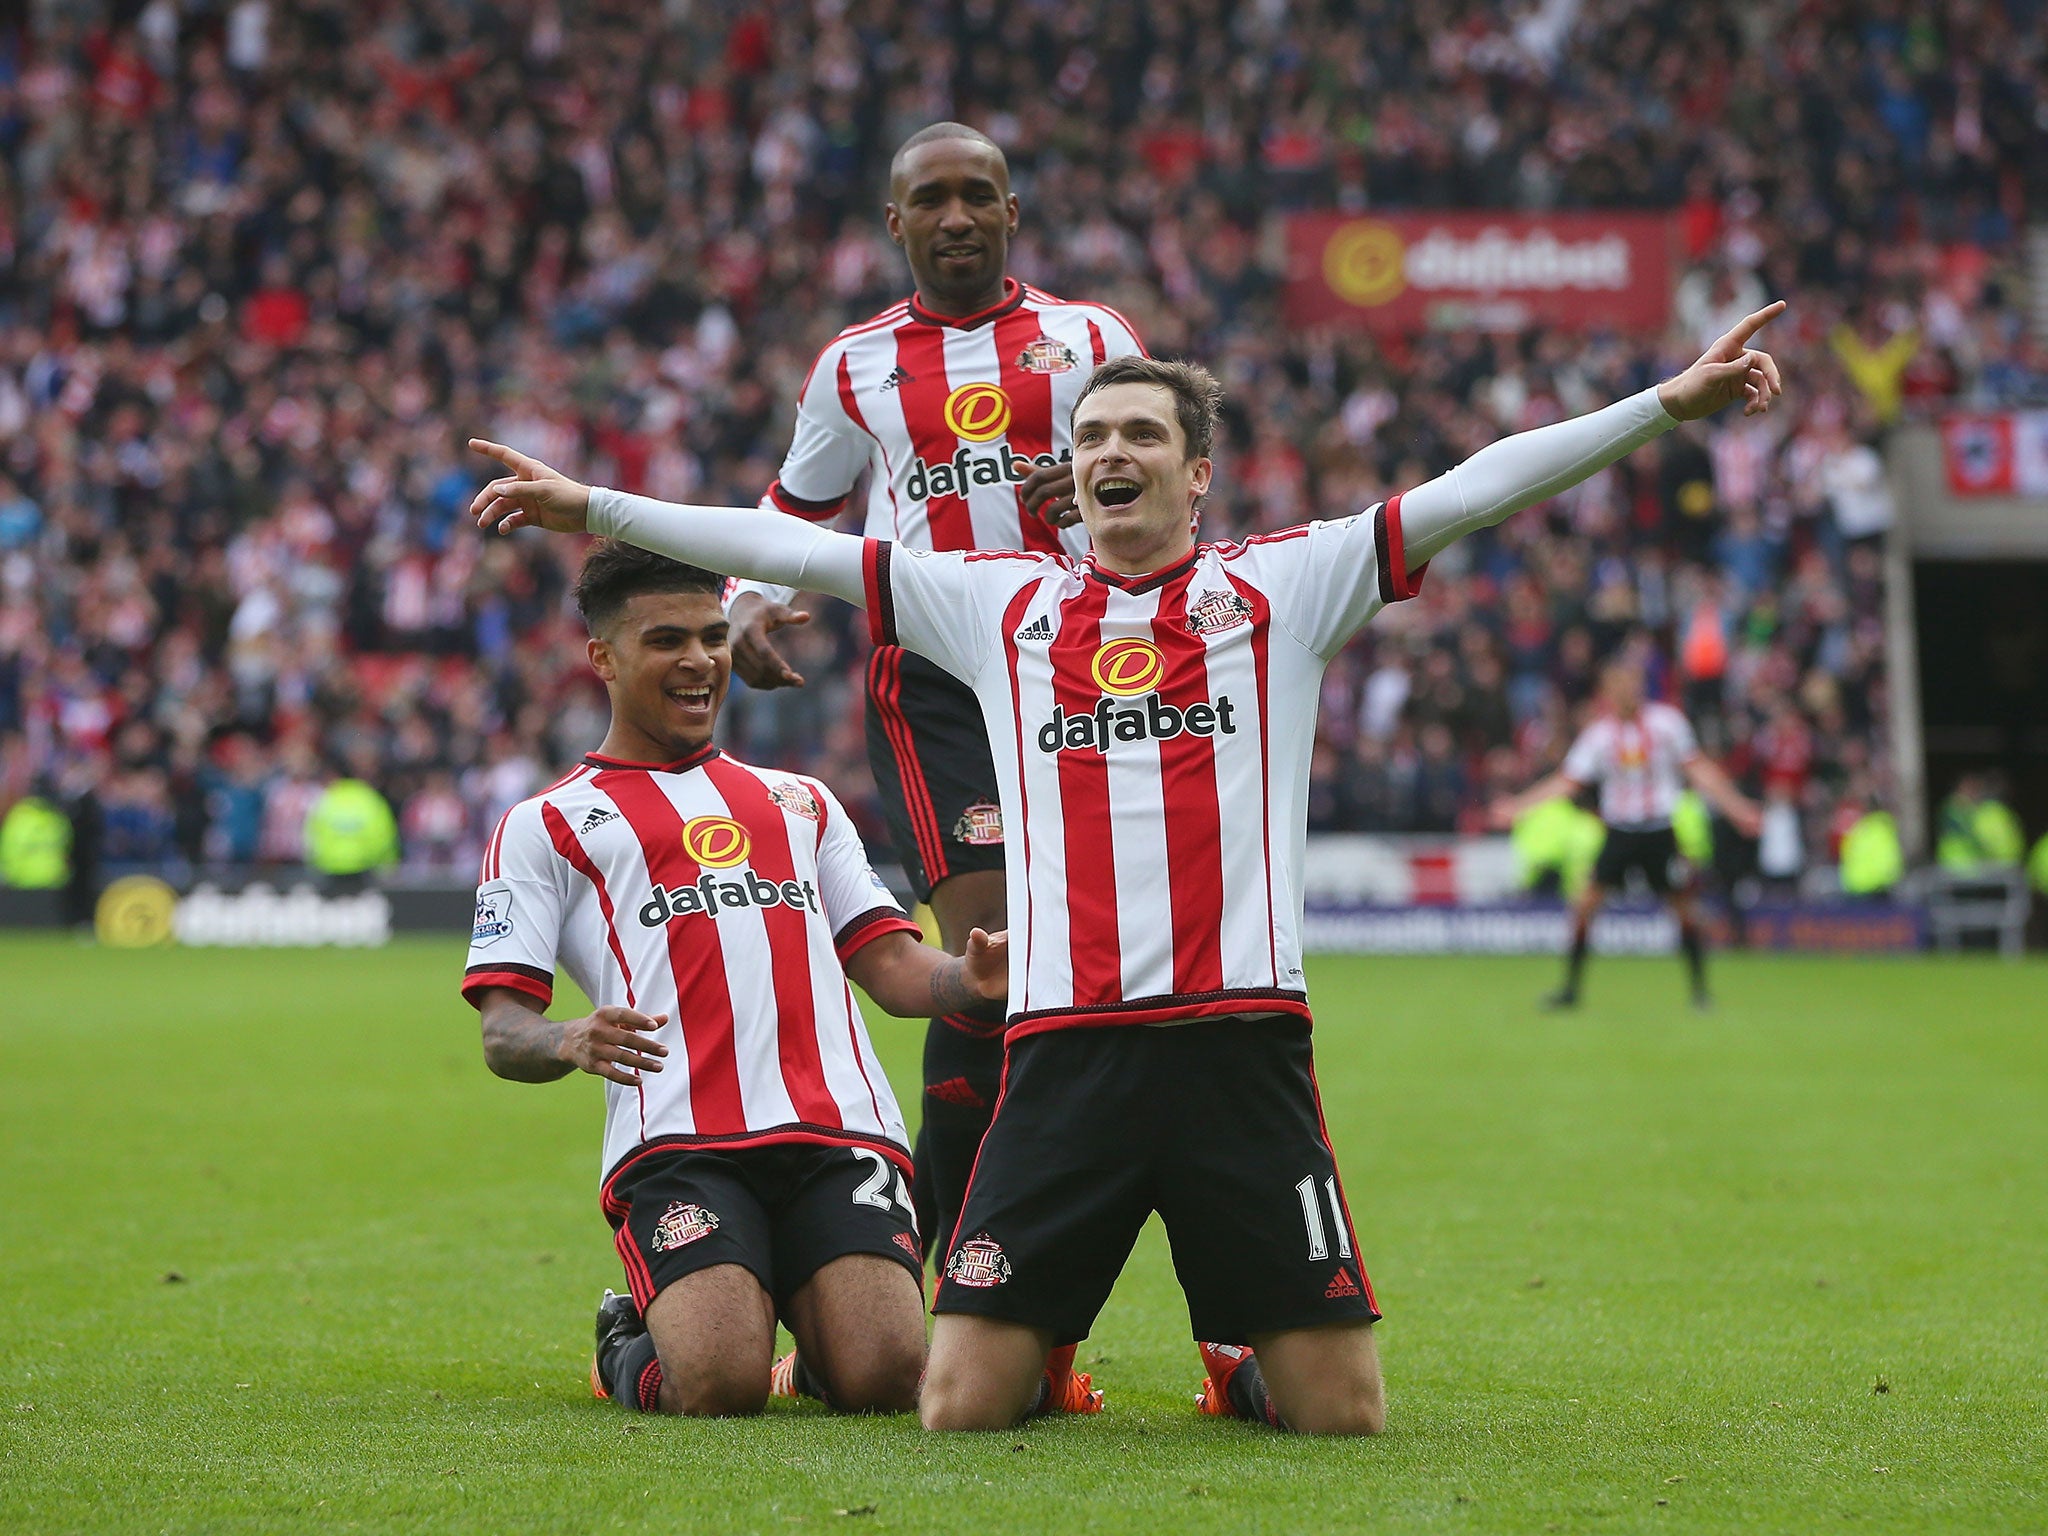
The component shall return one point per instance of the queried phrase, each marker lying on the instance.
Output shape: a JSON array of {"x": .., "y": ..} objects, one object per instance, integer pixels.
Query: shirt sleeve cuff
[
  {"x": 874, "y": 562},
  {"x": 1402, "y": 583},
  {"x": 799, "y": 506},
  {"x": 1657, "y": 418},
  {"x": 601, "y": 516},
  {"x": 530, "y": 979},
  {"x": 869, "y": 926}
]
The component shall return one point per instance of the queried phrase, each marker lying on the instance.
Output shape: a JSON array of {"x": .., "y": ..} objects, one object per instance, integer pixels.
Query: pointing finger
[
  {"x": 512, "y": 458},
  {"x": 1749, "y": 325}
]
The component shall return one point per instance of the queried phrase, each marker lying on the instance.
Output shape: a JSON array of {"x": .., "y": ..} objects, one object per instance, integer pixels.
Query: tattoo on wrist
[{"x": 950, "y": 992}]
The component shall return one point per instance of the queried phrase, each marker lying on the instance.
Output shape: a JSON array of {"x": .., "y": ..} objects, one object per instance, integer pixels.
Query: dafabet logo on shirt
[
  {"x": 978, "y": 413},
  {"x": 1123, "y": 669},
  {"x": 716, "y": 842},
  {"x": 1126, "y": 668},
  {"x": 710, "y": 896}
]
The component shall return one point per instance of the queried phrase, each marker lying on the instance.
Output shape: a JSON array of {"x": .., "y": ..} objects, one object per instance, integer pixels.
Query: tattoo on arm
[
  {"x": 951, "y": 993},
  {"x": 521, "y": 1043}
]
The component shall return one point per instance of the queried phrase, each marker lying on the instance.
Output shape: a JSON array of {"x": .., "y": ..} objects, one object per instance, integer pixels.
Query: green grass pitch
[{"x": 276, "y": 1253}]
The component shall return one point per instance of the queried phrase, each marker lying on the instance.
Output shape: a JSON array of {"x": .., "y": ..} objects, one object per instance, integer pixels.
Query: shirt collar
[
  {"x": 1151, "y": 581},
  {"x": 1013, "y": 295},
  {"x": 696, "y": 759}
]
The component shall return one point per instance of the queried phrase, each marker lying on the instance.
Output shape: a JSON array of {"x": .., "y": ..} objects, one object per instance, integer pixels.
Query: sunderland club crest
[
  {"x": 682, "y": 1224},
  {"x": 796, "y": 799},
  {"x": 979, "y": 1263},
  {"x": 1215, "y": 612},
  {"x": 980, "y": 825},
  {"x": 1047, "y": 356}
]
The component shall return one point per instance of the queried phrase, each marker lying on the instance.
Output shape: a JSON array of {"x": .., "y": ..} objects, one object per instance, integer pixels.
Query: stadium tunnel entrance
[
  {"x": 1983, "y": 642},
  {"x": 1967, "y": 638}
]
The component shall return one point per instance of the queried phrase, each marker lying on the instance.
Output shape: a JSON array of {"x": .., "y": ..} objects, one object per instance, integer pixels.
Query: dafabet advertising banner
[{"x": 1496, "y": 271}]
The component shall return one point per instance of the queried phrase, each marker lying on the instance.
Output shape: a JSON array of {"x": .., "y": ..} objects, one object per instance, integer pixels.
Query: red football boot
[
  {"x": 1066, "y": 1389},
  {"x": 1221, "y": 1361}
]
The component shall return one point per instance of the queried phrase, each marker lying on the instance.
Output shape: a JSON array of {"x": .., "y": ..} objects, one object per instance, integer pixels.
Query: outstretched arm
[
  {"x": 1516, "y": 472},
  {"x": 913, "y": 980},
  {"x": 735, "y": 541},
  {"x": 1708, "y": 777},
  {"x": 1502, "y": 813}
]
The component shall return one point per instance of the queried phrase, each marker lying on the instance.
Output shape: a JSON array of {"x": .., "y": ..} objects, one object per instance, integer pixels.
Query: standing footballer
[
  {"x": 955, "y": 402},
  {"x": 1152, "y": 712},
  {"x": 1641, "y": 755}
]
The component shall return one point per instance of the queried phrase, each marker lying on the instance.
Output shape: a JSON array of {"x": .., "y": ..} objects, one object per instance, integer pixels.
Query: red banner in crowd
[
  {"x": 1997, "y": 453},
  {"x": 1496, "y": 271}
]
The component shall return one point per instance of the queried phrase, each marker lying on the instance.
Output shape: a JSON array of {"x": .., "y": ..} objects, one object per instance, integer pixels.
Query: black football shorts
[
  {"x": 783, "y": 1211},
  {"x": 929, "y": 753},
  {"x": 1653, "y": 851},
  {"x": 1216, "y": 1125}
]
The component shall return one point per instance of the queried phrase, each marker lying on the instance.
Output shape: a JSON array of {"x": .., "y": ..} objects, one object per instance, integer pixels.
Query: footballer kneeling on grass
[
  {"x": 1152, "y": 712},
  {"x": 755, "y": 1163}
]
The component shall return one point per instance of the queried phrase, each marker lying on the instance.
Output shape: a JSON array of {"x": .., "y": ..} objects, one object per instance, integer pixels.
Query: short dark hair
[
  {"x": 1197, "y": 397},
  {"x": 615, "y": 572},
  {"x": 934, "y": 132}
]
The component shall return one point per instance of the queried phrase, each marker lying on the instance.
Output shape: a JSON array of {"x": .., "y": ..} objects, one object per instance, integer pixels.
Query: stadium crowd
[{"x": 265, "y": 266}]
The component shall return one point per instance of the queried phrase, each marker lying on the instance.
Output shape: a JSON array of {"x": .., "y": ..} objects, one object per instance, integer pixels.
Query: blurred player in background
[
  {"x": 1153, "y": 712},
  {"x": 954, "y": 402},
  {"x": 754, "y": 1159},
  {"x": 1642, "y": 755}
]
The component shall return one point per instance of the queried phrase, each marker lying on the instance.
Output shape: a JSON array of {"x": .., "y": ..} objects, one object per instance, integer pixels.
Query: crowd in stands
[{"x": 264, "y": 267}]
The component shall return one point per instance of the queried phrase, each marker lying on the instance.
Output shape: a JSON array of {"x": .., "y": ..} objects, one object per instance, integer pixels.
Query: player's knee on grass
[
  {"x": 983, "y": 1373},
  {"x": 714, "y": 1333},
  {"x": 1338, "y": 1416},
  {"x": 1325, "y": 1381},
  {"x": 859, "y": 1328},
  {"x": 714, "y": 1388},
  {"x": 879, "y": 1375}
]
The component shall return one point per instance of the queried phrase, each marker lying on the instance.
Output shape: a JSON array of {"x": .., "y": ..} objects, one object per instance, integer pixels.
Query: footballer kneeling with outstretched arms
[{"x": 1151, "y": 710}]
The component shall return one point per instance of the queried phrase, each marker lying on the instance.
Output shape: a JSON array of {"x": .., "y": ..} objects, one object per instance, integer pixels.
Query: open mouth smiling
[
  {"x": 1116, "y": 491},
  {"x": 691, "y": 698}
]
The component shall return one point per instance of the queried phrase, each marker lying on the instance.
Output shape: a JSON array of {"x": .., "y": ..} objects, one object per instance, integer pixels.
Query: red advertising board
[{"x": 1495, "y": 271}]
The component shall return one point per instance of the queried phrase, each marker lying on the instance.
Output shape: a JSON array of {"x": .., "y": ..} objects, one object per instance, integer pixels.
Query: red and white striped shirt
[
  {"x": 1638, "y": 764},
  {"x": 1152, "y": 738},
  {"x": 951, "y": 412},
  {"x": 726, "y": 896}
]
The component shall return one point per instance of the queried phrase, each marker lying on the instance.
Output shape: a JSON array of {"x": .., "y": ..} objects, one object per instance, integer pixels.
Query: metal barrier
[{"x": 1994, "y": 901}]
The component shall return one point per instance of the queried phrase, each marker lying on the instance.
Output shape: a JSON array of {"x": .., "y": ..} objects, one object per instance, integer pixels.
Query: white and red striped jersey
[
  {"x": 1639, "y": 765},
  {"x": 725, "y": 896},
  {"x": 951, "y": 412},
  {"x": 1151, "y": 737}
]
